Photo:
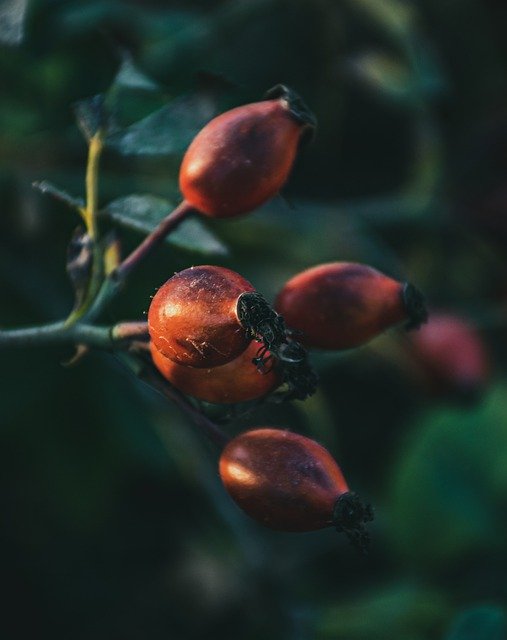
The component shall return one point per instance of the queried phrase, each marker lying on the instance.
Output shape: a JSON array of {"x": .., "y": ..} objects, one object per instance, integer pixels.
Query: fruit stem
[
  {"x": 130, "y": 331},
  {"x": 156, "y": 237},
  {"x": 114, "y": 282},
  {"x": 211, "y": 430}
]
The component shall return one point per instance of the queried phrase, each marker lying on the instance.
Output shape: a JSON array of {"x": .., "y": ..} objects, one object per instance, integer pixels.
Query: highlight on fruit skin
[
  {"x": 289, "y": 482},
  {"x": 193, "y": 318},
  {"x": 243, "y": 157},
  {"x": 237, "y": 381},
  {"x": 341, "y": 305},
  {"x": 452, "y": 356}
]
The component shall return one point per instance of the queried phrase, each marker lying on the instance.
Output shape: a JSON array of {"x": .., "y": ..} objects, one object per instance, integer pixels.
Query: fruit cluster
[{"x": 215, "y": 338}]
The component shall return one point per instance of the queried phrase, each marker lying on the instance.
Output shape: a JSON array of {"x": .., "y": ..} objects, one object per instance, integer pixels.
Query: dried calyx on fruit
[
  {"x": 265, "y": 325},
  {"x": 341, "y": 305},
  {"x": 207, "y": 316},
  {"x": 289, "y": 482},
  {"x": 243, "y": 157}
]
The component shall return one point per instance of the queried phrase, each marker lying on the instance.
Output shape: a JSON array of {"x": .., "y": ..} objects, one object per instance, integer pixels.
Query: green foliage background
[{"x": 114, "y": 522}]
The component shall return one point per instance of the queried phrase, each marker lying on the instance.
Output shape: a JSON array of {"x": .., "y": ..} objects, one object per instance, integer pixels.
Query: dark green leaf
[
  {"x": 400, "y": 612},
  {"x": 479, "y": 623},
  {"x": 450, "y": 483},
  {"x": 92, "y": 115},
  {"x": 131, "y": 77},
  {"x": 143, "y": 212},
  {"x": 168, "y": 130}
]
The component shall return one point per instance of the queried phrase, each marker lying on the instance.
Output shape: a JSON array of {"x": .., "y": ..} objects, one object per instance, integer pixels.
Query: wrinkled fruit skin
[
  {"x": 452, "y": 354},
  {"x": 236, "y": 381},
  {"x": 240, "y": 159},
  {"x": 341, "y": 305},
  {"x": 192, "y": 319},
  {"x": 281, "y": 479}
]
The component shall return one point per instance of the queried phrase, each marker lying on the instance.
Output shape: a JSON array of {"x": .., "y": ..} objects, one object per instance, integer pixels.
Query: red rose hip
[
  {"x": 193, "y": 318},
  {"x": 289, "y": 482},
  {"x": 341, "y": 305},
  {"x": 237, "y": 381},
  {"x": 452, "y": 355},
  {"x": 243, "y": 157}
]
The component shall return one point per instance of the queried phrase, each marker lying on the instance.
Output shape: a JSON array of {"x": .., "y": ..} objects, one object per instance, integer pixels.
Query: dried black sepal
[
  {"x": 350, "y": 515},
  {"x": 264, "y": 324},
  {"x": 415, "y": 306}
]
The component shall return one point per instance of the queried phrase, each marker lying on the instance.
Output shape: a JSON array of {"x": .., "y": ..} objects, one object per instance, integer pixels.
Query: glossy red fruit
[
  {"x": 341, "y": 305},
  {"x": 243, "y": 157},
  {"x": 452, "y": 354},
  {"x": 237, "y": 381},
  {"x": 193, "y": 318},
  {"x": 290, "y": 483}
]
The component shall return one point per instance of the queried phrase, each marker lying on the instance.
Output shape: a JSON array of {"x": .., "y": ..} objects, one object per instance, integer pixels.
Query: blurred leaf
[
  {"x": 393, "y": 15},
  {"x": 383, "y": 74},
  {"x": 131, "y": 77},
  {"x": 79, "y": 263},
  {"x": 92, "y": 115},
  {"x": 479, "y": 623},
  {"x": 12, "y": 17},
  {"x": 194, "y": 236},
  {"x": 144, "y": 212},
  {"x": 168, "y": 130},
  {"x": 450, "y": 483},
  {"x": 401, "y": 612}
]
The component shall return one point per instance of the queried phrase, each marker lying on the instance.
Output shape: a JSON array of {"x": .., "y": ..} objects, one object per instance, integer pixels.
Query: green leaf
[
  {"x": 396, "y": 612},
  {"x": 168, "y": 130},
  {"x": 143, "y": 212},
  {"x": 92, "y": 115},
  {"x": 12, "y": 19},
  {"x": 129, "y": 76},
  {"x": 393, "y": 15},
  {"x": 450, "y": 482},
  {"x": 479, "y": 623}
]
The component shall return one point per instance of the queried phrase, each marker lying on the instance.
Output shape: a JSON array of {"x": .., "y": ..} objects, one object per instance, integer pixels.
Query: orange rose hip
[
  {"x": 193, "y": 318},
  {"x": 237, "y": 381},
  {"x": 289, "y": 482},
  {"x": 244, "y": 156},
  {"x": 341, "y": 305}
]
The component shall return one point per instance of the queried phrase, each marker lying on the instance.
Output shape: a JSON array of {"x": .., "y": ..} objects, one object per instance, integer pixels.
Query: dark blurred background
[{"x": 114, "y": 524}]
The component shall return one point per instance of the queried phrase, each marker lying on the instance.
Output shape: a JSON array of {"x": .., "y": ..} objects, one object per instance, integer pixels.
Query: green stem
[
  {"x": 92, "y": 171},
  {"x": 153, "y": 379},
  {"x": 89, "y": 214},
  {"x": 110, "y": 337}
]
